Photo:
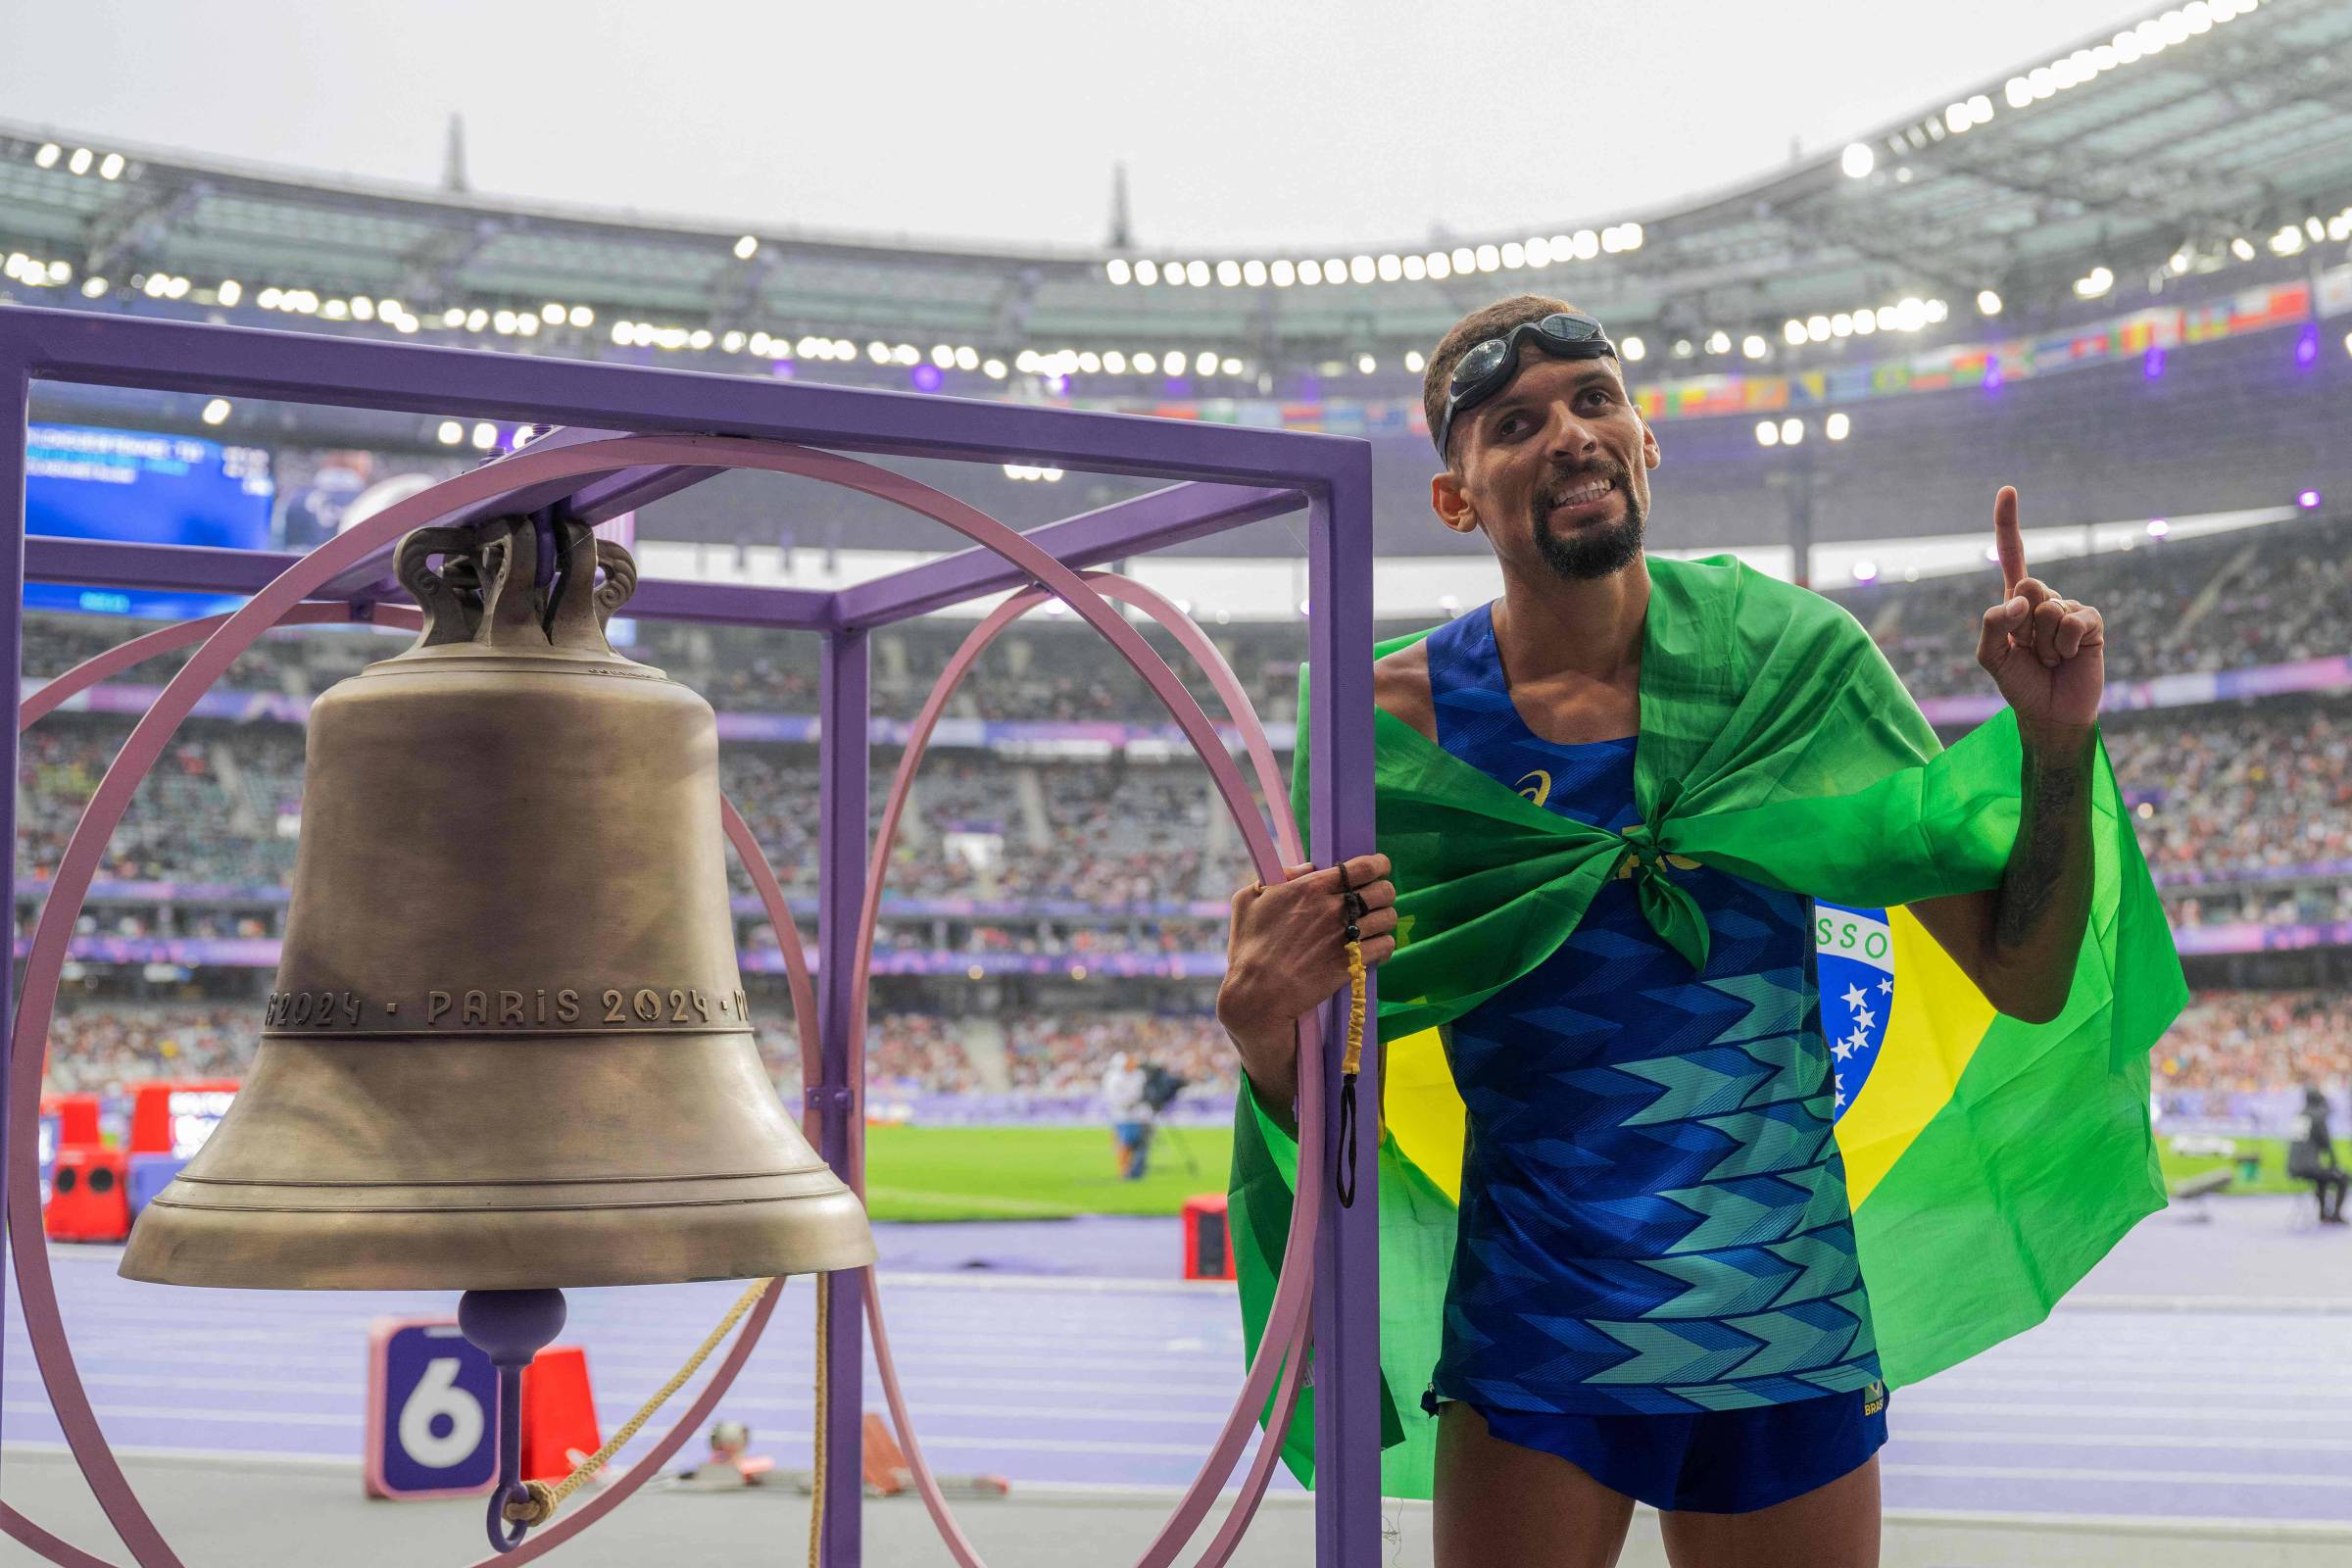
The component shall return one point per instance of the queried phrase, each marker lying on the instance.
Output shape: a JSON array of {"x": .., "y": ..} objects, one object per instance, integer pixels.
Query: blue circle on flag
[{"x": 1854, "y": 962}]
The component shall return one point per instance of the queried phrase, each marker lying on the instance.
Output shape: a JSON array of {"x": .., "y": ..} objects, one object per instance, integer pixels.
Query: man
[
  {"x": 1123, "y": 1087},
  {"x": 2311, "y": 1157},
  {"x": 1579, "y": 1192}
]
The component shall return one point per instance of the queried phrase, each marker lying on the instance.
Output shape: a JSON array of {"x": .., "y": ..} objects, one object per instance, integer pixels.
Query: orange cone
[
  {"x": 558, "y": 1412},
  {"x": 884, "y": 1461}
]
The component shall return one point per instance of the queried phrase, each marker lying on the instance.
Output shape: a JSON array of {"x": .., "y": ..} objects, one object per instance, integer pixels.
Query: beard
[{"x": 1598, "y": 550}]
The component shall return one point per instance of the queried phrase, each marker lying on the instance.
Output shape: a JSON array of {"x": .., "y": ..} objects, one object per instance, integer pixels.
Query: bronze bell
[{"x": 509, "y": 1045}]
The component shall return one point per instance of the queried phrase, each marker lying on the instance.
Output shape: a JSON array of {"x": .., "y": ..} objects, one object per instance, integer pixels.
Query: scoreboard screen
[{"x": 87, "y": 482}]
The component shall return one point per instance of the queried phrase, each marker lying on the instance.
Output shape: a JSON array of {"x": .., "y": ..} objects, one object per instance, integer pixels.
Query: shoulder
[{"x": 1400, "y": 689}]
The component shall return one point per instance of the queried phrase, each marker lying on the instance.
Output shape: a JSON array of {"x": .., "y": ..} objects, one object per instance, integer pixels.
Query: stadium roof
[{"x": 2210, "y": 137}]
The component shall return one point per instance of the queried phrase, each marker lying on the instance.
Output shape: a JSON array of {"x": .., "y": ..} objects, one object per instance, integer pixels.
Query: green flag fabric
[{"x": 1989, "y": 1163}]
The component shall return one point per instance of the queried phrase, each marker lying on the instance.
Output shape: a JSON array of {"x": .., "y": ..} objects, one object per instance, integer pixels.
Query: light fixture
[
  {"x": 1768, "y": 434},
  {"x": 1866, "y": 572},
  {"x": 1633, "y": 348},
  {"x": 1837, "y": 426},
  {"x": 50, "y": 152},
  {"x": 216, "y": 411},
  {"x": 1858, "y": 160},
  {"x": 1415, "y": 362},
  {"x": 1754, "y": 346},
  {"x": 747, "y": 247},
  {"x": 485, "y": 436},
  {"x": 1987, "y": 303},
  {"x": 1119, "y": 271},
  {"x": 450, "y": 433},
  {"x": 111, "y": 167},
  {"x": 1793, "y": 431}
]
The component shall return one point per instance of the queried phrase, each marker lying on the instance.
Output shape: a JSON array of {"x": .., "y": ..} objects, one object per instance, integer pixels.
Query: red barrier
[
  {"x": 1208, "y": 1244},
  {"x": 558, "y": 1412},
  {"x": 176, "y": 1119},
  {"x": 90, "y": 1199},
  {"x": 76, "y": 1117}
]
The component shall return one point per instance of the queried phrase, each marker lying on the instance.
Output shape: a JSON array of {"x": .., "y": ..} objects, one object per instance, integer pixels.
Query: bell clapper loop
[{"x": 511, "y": 1326}]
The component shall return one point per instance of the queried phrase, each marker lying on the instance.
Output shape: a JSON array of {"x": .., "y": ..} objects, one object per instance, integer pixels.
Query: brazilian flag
[{"x": 1989, "y": 1163}]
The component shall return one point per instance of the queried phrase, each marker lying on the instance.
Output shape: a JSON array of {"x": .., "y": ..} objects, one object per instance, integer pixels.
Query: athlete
[{"x": 1590, "y": 1195}]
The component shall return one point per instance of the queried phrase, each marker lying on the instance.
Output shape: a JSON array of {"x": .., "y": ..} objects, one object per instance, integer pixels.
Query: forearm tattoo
[{"x": 2048, "y": 877}]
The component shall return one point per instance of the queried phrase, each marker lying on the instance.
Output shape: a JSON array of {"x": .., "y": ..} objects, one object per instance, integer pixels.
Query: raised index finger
[{"x": 2008, "y": 540}]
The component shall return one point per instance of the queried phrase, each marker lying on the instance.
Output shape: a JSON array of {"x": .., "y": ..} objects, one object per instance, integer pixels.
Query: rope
[
  {"x": 545, "y": 1499},
  {"x": 824, "y": 1400},
  {"x": 1351, "y": 1062}
]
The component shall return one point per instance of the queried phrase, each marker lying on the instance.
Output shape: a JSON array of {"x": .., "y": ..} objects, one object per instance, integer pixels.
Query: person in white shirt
[{"x": 1130, "y": 1114}]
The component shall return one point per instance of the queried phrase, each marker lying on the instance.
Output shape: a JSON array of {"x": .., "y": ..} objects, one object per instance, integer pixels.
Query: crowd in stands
[
  {"x": 2259, "y": 1040},
  {"x": 1068, "y": 1052}
]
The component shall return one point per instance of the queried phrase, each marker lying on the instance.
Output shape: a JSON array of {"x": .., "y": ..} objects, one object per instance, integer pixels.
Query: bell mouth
[{"x": 264, "y": 1236}]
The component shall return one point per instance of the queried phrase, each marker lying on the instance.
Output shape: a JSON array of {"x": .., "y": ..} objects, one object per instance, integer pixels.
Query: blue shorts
[{"x": 1718, "y": 1462}]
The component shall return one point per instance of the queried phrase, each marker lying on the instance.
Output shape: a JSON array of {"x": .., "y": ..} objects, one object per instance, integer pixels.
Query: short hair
[{"x": 1489, "y": 320}]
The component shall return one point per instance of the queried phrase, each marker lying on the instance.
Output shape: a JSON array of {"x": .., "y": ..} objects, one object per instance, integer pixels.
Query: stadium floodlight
[
  {"x": 2242, "y": 248},
  {"x": 450, "y": 433},
  {"x": 1119, "y": 271},
  {"x": 1792, "y": 331},
  {"x": 48, "y": 155},
  {"x": 1438, "y": 266},
  {"x": 1537, "y": 251},
  {"x": 1633, "y": 348},
  {"x": 1391, "y": 267},
  {"x": 2158, "y": 527},
  {"x": 878, "y": 352},
  {"x": 485, "y": 436},
  {"x": 1586, "y": 244},
  {"x": 1415, "y": 267},
  {"x": 1282, "y": 273},
  {"x": 93, "y": 287},
  {"x": 1334, "y": 271},
  {"x": 1416, "y": 362},
  {"x": 1204, "y": 362},
  {"x": 747, "y": 247},
  {"x": 2096, "y": 282},
  {"x": 1866, "y": 572},
  {"x": 228, "y": 293},
  {"x": 1171, "y": 273},
  {"x": 1980, "y": 108},
  {"x": 363, "y": 309},
  {"x": 111, "y": 167},
  {"x": 1254, "y": 273},
  {"x": 79, "y": 163},
  {"x": 1365, "y": 364},
  {"x": 2308, "y": 499},
  {"x": 1957, "y": 118},
  {"x": 2018, "y": 91},
  {"x": 216, "y": 411},
  {"x": 1363, "y": 270},
  {"x": 1114, "y": 361},
  {"x": 1842, "y": 324},
  {"x": 994, "y": 369},
  {"x": 581, "y": 316},
  {"x": 2317, "y": 229},
  {"x": 943, "y": 355},
  {"x": 1147, "y": 363},
  {"x": 552, "y": 314},
  {"x": 1464, "y": 258},
  {"x": 1817, "y": 328},
  {"x": 1147, "y": 270},
  {"x": 967, "y": 358},
  {"x": 1753, "y": 346},
  {"x": 1838, "y": 426},
  {"x": 904, "y": 353},
  {"x": 2288, "y": 241},
  {"x": 1310, "y": 272},
  {"x": 1197, "y": 274},
  {"x": 1793, "y": 431},
  {"x": 1719, "y": 342},
  {"x": 1987, "y": 303},
  {"x": 1230, "y": 367},
  {"x": 1514, "y": 255},
  {"x": 527, "y": 325},
  {"x": 1229, "y": 273},
  {"x": 1089, "y": 363},
  {"x": 1768, "y": 434},
  {"x": 1681, "y": 348}
]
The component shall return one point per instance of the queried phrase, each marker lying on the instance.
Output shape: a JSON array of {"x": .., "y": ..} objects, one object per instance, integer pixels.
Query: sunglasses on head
[{"x": 1494, "y": 363}]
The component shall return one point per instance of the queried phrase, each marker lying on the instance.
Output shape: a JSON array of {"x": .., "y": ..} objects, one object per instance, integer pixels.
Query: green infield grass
[
  {"x": 938, "y": 1173},
  {"x": 960, "y": 1173}
]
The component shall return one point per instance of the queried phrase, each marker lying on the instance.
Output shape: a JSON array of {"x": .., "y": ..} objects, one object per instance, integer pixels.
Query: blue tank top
[{"x": 1653, "y": 1210}]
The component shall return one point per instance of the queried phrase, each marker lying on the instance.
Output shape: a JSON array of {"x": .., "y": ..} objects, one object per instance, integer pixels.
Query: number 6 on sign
[{"x": 429, "y": 1399}]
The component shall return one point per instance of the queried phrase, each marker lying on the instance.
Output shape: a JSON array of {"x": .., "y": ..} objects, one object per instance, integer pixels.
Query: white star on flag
[
  {"x": 1854, "y": 996},
  {"x": 1842, "y": 1050},
  {"x": 1886, "y": 988},
  {"x": 1864, "y": 1019}
]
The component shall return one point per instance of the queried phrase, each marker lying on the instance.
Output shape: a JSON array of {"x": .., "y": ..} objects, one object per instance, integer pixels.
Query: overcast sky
[{"x": 1244, "y": 123}]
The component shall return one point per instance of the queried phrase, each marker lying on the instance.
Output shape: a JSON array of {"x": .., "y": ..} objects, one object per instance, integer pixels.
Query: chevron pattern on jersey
[{"x": 1653, "y": 1213}]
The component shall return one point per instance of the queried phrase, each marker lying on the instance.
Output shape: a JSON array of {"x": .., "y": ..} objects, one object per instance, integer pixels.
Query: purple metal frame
[{"x": 1225, "y": 476}]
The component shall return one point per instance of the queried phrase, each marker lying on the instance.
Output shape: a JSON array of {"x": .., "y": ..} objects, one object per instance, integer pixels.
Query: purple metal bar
[
  {"x": 1090, "y": 539},
  {"x": 841, "y": 763},
  {"x": 204, "y": 569},
  {"x": 16, "y": 391},
  {"x": 1346, "y": 1356},
  {"x": 608, "y": 498},
  {"x": 353, "y": 373}
]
